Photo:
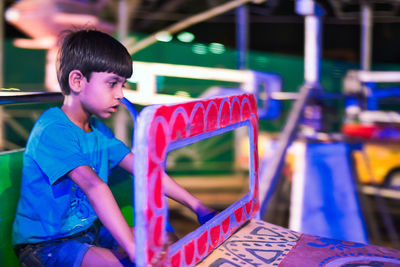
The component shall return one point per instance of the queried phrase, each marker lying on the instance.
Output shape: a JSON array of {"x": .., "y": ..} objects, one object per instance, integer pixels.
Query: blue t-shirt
[{"x": 51, "y": 205}]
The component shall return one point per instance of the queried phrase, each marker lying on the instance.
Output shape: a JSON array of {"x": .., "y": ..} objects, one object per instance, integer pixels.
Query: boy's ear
[{"x": 75, "y": 80}]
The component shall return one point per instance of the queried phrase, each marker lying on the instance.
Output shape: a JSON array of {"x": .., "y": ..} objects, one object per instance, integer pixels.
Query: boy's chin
[{"x": 105, "y": 115}]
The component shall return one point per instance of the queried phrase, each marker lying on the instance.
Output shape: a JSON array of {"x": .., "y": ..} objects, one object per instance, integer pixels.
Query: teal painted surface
[
  {"x": 23, "y": 68},
  {"x": 10, "y": 172},
  {"x": 121, "y": 186}
]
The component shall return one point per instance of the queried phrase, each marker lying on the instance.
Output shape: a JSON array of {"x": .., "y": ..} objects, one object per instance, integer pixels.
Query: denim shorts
[{"x": 67, "y": 251}]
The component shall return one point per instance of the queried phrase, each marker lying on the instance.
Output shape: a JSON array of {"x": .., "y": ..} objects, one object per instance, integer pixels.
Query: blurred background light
[
  {"x": 262, "y": 60},
  {"x": 12, "y": 14},
  {"x": 163, "y": 37},
  {"x": 200, "y": 49},
  {"x": 185, "y": 37},
  {"x": 182, "y": 93},
  {"x": 216, "y": 48}
]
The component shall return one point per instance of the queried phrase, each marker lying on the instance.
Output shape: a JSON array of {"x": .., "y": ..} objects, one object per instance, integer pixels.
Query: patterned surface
[
  {"x": 164, "y": 128},
  {"x": 256, "y": 244},
  {"x": 263, "y": 244},
  {"x": 321, "y": 251}
]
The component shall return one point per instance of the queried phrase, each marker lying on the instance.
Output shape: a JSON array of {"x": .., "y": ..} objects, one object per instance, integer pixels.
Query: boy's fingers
[{"x": 161, "y": 258}]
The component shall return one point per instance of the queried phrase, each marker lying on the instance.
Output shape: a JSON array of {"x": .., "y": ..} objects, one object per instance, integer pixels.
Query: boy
[{"x": 68, "y": 157}]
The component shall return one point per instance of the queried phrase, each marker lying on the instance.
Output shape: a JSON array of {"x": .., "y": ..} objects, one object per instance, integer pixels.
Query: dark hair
[{"x": 91, "y": 51}]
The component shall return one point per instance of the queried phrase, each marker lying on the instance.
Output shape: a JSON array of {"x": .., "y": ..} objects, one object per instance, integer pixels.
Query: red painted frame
[{"x": 163, "y": 128}]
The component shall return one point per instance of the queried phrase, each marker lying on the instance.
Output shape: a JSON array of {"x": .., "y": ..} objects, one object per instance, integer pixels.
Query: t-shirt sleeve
[
  {"x": 116, "y": 149},
  {"x": 58, "y": 152}
]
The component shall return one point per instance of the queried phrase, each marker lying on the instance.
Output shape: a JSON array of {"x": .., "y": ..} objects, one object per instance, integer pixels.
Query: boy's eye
[{"x": 112, "y": 84}]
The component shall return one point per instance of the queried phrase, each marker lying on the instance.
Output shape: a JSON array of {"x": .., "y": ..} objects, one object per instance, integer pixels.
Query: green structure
[{"x": 10, "y": 169}]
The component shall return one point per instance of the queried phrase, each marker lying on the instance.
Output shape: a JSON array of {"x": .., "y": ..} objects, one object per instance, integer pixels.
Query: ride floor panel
[{"x": 259, "y": 243}]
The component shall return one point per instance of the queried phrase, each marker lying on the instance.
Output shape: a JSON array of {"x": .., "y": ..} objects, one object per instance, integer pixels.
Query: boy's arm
[
  {"x": 127, "y": 163},
  {"x": 105, "y": 206},
  {"x": 175, "y": 191},
  {"x": 180, "y": 194}
]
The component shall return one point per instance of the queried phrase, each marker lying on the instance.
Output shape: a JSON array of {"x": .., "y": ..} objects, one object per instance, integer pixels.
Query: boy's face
[{"x": 102, "y": 94}]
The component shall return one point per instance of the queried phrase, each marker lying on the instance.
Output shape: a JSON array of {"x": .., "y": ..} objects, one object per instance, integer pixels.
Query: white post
[
  {"x": 122, "y": 19},
  {"x": 312, "y": 49},
  {"x": 122, "y": 118},
  {"x": 366, "y": 36},
  {"x": 242, "y": 36}
]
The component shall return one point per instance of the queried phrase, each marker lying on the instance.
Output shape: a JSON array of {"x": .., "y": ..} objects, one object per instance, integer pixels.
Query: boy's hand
[
  {"x": 161, "y": 259},
  {"x": 204, "y": 214}
]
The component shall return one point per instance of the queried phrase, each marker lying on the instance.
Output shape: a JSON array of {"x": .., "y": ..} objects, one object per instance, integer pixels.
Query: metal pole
[
  {"x": 269, "y": 177},
  {"x": 366, "y": 35},
  {"x": 312, "y": 49},
  {"x": 122, "y": 19},
  {"x": 242, "y": 36},
  {"x": 241, "y": 61},
  {"x": 122, "y": 118}
]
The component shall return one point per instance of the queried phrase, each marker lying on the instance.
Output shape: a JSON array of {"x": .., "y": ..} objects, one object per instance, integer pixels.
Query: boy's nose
[{"x": 119, "y": 94}]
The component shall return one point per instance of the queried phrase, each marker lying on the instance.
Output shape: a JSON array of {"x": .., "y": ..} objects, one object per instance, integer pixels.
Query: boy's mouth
[{"x": 114, "y": 108}]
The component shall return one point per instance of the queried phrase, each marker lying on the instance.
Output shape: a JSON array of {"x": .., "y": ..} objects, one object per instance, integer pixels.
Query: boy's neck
[{"x": 77, "y": 116}]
